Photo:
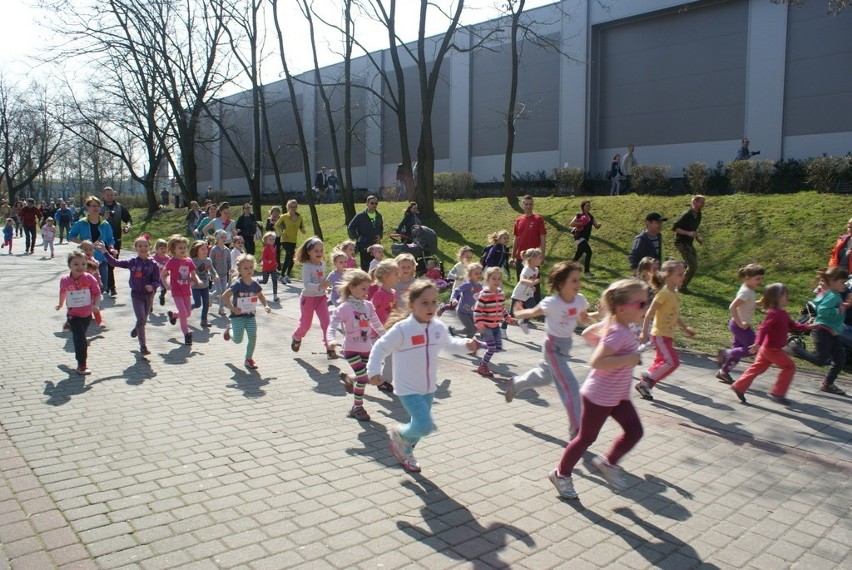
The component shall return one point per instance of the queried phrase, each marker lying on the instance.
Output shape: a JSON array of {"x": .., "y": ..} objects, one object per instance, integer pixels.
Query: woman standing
[
  {"x": 288, "y": 227},
  {"x": 95, "y": 229},
  {"x": 247, "y": 226},
  {"x": 582, "y": 224},
  {"x": 615, "y": 175},
  {"x": 223, "y": 222}
]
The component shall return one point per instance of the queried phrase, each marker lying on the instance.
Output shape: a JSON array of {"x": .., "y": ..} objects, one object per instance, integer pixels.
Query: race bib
[
  {"x": 247, "y": 304},
  {"x": 79, "y": 298}
]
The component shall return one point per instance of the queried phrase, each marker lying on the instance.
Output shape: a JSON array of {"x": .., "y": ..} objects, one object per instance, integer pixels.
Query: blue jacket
[{"x": 81, "y": 230}]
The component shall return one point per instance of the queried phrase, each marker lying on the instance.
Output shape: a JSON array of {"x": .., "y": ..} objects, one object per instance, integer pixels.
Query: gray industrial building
[{"x": 681, "y": 81}]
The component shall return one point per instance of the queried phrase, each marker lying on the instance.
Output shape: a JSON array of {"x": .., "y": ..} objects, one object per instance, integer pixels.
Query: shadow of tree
[{"x": 453, "y": 530}]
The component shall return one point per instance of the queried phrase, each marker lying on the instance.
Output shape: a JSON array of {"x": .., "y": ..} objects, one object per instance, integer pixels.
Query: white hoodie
[{"x": 414, "y": 347}]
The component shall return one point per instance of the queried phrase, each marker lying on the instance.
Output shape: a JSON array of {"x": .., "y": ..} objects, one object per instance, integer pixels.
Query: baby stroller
[
  {"x": 806, "y": 315},
  {"x": 423, "y": 245}
]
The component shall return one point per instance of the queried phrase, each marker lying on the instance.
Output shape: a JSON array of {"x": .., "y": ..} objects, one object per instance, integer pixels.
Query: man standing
[
  {"x": 686, "y": 228},
  {"x": 628, "y": 163},
  {"x": 647, "y": 243},
  {"x": 119, "y": 220},
  {"x": 367, "y": 228},
  {"x": 30, "y": 216},
  {"x": 321, "y": 184},
  {"x": 744, "y": 153},
  {"x": 529, "y": 231}
]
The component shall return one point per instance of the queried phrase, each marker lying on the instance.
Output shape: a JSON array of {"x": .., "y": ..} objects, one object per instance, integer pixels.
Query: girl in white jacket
[{"x": 413, "y": 343}]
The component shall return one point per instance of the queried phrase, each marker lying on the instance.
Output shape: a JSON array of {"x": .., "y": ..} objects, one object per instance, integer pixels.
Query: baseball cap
[{"x": 655, "y": 217}]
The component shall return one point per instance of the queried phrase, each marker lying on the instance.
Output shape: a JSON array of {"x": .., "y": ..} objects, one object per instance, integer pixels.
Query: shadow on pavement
[
  {"x": 452, "y": 529},
  {"x": 61, "y": 392},
  {"x": 249, "y": 381}
]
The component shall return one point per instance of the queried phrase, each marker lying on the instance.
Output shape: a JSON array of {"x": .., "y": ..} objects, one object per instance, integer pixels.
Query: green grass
[{"x": 790, "y": 235}]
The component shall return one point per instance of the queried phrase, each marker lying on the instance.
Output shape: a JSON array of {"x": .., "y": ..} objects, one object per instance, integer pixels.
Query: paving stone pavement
[{"x": 187, "y": 459}]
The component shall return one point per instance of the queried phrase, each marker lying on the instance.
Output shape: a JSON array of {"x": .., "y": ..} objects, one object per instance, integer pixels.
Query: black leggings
[
  {"x": 583, "y": 247},
  {"x": 30, "y": 234},
  {"x": 829, "y": 350},
  {"x": 289, "y": 252},
  {"x": 79, "y": 325}
]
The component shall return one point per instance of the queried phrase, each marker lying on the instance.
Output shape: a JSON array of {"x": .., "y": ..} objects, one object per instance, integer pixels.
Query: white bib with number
[
  {"x": 80, "y": 298},
  {"x": 247, "y": 304}
]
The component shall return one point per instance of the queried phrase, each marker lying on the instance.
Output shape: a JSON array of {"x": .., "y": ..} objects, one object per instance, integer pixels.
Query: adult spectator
[
  {"x": 119, "y": 220},
  {"x": 686, "y": 228},
  {"x": 288, "y": 227},
  {"x": 529, "y": 231},
  {"x": 164, "y": 197},
  {"x": 48, "y": 212},
  {"x": 247, "y": 226},
  {"x": 648, "y": 243},
  {"x": 30, "y": 216},
  {"x": 223, "y": 222},
  {"x": 64, "y": 217},
  {"x": 743, "y": 153},
  {"x": 332, "y": 182},
  {"x": 367, "y": 228},
  {"x": 16, "y": 216},
  {"x": 95, "y": 229},
  {"x": 628, "y": 163},
  {"x": 582, "y": 224},
  {"x": 193, "y": 216},
  {"x": 405, "y": 229},
  {"x": 841, "y": 253},
  {"x": 321, "y": 183},
  {"x": 615, "y": 175},
  {"x": 209, "y": 216}
]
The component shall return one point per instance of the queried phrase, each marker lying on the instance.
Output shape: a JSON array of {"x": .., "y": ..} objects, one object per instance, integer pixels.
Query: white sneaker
[
  {"x": 510, "y": 390},
  {"x": 524, "y": 326},
  {"x": 565, "y": 485},
  {"x": 613, "y": 474}
]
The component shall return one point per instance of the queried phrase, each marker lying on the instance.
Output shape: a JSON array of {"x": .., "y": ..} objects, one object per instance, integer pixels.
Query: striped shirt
[{"x": 488, "y": 310}]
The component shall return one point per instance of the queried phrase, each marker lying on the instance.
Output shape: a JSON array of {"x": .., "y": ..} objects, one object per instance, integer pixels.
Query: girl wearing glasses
[
  {"x": 562, "y": 310},
  {"x": 606, "y": 391}
]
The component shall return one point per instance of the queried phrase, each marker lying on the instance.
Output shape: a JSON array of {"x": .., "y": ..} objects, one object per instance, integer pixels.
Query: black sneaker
[
  {"x": 144, "y": 351},
  {"x": 386, "y": 387},
  {"x": 724, "y": 377},
  {"x": 133, "y": 333},
  {"x": 172, "y": 318},
  {"x": 162, "y": 297},
  {"x": 831, "y": 389},
  {"x": 187, "y": 339}
]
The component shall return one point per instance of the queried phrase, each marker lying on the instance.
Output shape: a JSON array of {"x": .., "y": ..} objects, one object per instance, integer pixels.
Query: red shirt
[
  {"x": 29, "y": 215},
  {"x": 527, "y": 231},
  {"x": 775, "y": 327},
  {"x": 268, "y": 260}
]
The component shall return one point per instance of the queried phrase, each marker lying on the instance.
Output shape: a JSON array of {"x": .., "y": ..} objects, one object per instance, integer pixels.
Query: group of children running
[{"x": 385, "y": 327}]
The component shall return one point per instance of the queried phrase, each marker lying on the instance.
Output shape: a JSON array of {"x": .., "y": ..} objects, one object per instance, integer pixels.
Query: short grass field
[{"x": 791, "y": 235}]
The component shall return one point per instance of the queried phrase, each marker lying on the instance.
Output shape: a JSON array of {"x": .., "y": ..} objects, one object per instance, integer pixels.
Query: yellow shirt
[
  {"x": 287, "y": 229},
  {"x": 668, "y": 310}
]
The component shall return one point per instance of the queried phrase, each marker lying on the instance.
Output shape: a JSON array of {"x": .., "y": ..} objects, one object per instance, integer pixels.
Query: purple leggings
[
  {"x": 142, "y": 304},
  {"x": 591, "y": 422},
  {"x": 743, "y": 338}
]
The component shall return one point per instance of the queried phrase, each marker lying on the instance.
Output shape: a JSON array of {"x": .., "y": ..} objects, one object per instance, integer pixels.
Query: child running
[
  {"x": 407, "y": 275},
  {"x": 206, "y": 274},
  {"x": 348, "y": 247},
  {"x": 384, "y": 298},
  {"x": 238, "y": 247},
  {"x": 561, "y": 311},
  {"x": 269, "y": 262},
  {"x": 93, "y": 267},
  {"x": 48, "y": 235},
  {"x": 488, "y": 312},
  {"x": 463, "y": 300},
  {"x": 769, "y": 346},
  {"x": 606, "y": 390},
  {"x": 742, "y": 312},
  {"x": 8, "y": 234},
  {"x": 497, "y": 252},
  {"x": 177, "y": 276},
  {"x": 338, "y": 261},
  {"x": 144, "y": 281},
  {"x": 161, "y": 256},
  {"x": 413, "y": 344},
  {"x": 377, "y": 251},
  {"x": 359, "y": 320},
  {"x": 313, "y": 300},
  {"x": 828, "y": 327},
  {"x": 525, "y": 289},
  {"x": 665, "y": 314},
  {"x": 241, "y": 299},
  {"x": 80, "y": 292},
  {"x": 220, "y": 255}
]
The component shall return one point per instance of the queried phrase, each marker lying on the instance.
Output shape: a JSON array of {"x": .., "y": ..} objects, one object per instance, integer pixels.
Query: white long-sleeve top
[
  {"x": 312, "y": 275},
  {"x": 359, "y": 320},
  {"x": 414, "y": 347}
]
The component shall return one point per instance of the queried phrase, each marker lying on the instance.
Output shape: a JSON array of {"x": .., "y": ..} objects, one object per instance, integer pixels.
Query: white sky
[{"x": 23, "y": 37}]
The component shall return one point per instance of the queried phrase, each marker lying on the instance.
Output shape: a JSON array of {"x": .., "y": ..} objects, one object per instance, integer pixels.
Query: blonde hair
[
  {"x": 620, "y": 292},
  {"x": 86, "y": 243},
  {"x": 384, "y": 268},
  {"x": 530, "y": 254},
  {"x": 462, "y": 250},
  {"x": 471, "y": 267},
  {"x": 413, "y": 293},
  {"x": 495, "y": 237},
  {"x": 491, "y": 271},
  {"x": 161, "y": 243},
  {"x": 244, "y": 257},
  {"x": 645, "y": 265},
  {"x": 351, "y": 278},
  {"x": 374, "y": 247},
  {"x": 344, "y": 244},
  {"x": 405, "y": 257},
  {"x": 174, "y": 240},
  {"x": 74, "y": 253},
  {"x": 267, "y": 235},
  {"x": 658, "y": 279}
]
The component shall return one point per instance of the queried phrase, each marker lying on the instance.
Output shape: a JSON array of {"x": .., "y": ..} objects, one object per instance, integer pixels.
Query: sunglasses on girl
[{"x": 638, "y": 304}]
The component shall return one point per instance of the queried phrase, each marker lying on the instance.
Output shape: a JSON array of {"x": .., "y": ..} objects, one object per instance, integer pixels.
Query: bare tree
[
  {"x": 29, "y": 137},
  {"x": 306, "y": 164}
]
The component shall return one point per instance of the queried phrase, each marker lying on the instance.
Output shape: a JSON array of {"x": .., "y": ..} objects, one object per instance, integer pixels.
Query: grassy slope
[{"x": 790, "y": 235}]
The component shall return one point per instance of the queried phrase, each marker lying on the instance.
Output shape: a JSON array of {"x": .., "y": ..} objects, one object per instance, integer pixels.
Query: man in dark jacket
[
  {"x": 686, "y": 230},
  {"x": 367, "y": 228},
  {"x": 119, "y": 219},
  {"x": 648, "y": 243},
  {"x": 30, "y": 216}
]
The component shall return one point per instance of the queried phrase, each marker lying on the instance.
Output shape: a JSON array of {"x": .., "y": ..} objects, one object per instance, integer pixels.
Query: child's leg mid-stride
[
  {"x": 358, "y": 362},
  {"x": 666, "y": 361},
  {"x": 78, "y": 326},
  {"x": 142, "y": 305},
  {"x": 309, "y": 306},
  {"x": 766, "y": 357},
  {"x": 184, "y": 309},
  {"x": 743, "y": 338},
  {"x": 403, "y": 438},
  {"x": 491, "y": 337},
  {"x": 247, "y": 326}
]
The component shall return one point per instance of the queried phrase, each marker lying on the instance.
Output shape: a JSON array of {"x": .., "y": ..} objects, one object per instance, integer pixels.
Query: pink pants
[
  {"x": 765, "y": 358},
  {"x": 184, "y": 309},
  {"x": 309, "y": 306},
  {"x": 666, "y": 360}
]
